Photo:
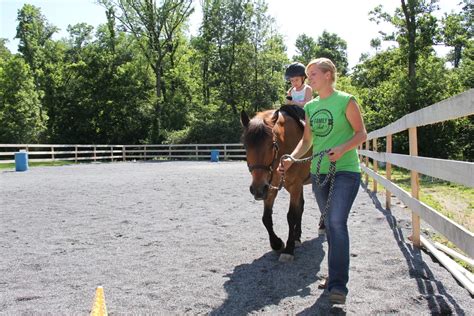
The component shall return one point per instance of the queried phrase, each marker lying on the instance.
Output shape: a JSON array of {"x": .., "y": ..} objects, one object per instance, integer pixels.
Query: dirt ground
[{"x": 187, "y": 238}]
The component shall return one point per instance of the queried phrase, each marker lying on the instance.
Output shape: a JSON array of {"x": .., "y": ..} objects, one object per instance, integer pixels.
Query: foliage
[
  {"x": 140, "y": 79},
  {"x": 327, "y": 45},
  {"x": 21, "y": 119}
]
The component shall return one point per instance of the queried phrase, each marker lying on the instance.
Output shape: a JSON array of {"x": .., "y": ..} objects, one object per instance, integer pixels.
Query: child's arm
[{"x": 308, "y": 95}]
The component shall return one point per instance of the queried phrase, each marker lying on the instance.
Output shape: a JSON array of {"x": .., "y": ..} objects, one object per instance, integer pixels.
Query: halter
[{"x": 268, "y": 168}]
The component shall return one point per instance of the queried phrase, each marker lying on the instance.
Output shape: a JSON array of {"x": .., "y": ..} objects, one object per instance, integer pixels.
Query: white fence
[
  {"x": 460, "y": 172},
  {"x": 76, "y": 153}
]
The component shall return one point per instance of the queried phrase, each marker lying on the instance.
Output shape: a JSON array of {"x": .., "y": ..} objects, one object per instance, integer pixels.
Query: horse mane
[{"x": 259, "y": 128}]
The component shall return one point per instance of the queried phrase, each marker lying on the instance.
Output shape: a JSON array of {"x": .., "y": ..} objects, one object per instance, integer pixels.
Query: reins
[{"x": 330, "y": 177}]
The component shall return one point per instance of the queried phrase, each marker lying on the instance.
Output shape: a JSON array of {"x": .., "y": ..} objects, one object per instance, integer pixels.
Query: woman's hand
[
  {"x": 285, "y": 165},
  {"x": 336, "y": 153}
]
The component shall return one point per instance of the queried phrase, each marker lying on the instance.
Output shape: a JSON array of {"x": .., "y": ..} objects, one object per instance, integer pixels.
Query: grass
[
  {"x": 452, "y": 200},
  {"x": 36, "y": 164}
]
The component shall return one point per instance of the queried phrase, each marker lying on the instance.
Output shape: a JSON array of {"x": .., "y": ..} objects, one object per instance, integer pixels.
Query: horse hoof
[
  {"x": 285, "y": 257},
  {"x": 279, "y": 250},
  {"x": 298, "y": 243}
]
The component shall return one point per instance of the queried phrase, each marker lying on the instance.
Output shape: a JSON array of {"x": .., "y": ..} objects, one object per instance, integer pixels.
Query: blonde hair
[{"x": 325, "y": 64}]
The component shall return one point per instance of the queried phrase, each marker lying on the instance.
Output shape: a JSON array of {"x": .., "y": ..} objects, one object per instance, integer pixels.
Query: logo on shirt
[{"x": 322, "y": 123}]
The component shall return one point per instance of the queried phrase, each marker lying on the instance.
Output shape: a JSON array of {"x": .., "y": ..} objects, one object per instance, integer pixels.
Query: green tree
[
  {"x": 457, "y": 31},
  {"x": 335, "y": 48},
  {"x": 306, "y": 49},
  {"x": 4, "y": 51},
  {"x": 416, "y": 30},
  {"x": 34, "y": 33},
  {"x": 154, "y": 27},
  {"x": 327, "y": 45},
  {"x": 106, "y": 91},
  {"x": 20, "y": 115}
]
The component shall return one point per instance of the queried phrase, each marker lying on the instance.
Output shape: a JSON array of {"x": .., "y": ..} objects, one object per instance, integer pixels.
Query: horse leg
[
  {"x": 293, "y": 217},
  {"x": 321, "y": 227},
  {"x": 298, "y": 223},
  {"x": 275, "y": 242}
]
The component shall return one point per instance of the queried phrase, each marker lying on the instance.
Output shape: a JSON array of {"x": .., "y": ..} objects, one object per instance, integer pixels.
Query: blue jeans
[{"x": 346, "y": 186}]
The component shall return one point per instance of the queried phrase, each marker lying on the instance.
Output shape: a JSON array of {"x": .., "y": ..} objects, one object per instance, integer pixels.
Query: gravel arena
[{"x": 186, "y": 238}]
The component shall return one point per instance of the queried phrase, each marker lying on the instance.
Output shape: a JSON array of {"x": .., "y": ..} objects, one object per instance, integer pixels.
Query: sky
[{"x": 347, "y": 18}]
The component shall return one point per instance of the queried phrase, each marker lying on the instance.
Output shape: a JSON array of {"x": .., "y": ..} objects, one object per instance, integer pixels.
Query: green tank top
[{"x": 331, "y": 128}]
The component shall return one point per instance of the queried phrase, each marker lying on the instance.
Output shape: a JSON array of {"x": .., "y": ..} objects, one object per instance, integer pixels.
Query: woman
[{"x": 334, "y": 122}]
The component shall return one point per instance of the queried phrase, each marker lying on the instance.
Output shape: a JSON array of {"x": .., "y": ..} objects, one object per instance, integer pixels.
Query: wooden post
[
  {"x": 75, "y": 154},
  {"x": 94, "y": 153},
  {"x": 415, "y": 188},
  {"x": 52, "y": 153},
  {"x": 225, "y": 152},
  {"x": 111, "y": 154},
  {"x": 197, "y": 152},
  {"x": 367, "y": 164},
  {"x": 376, "y": 166},
  {"x": 388, "y": 173},
  {"x": 124, "y": 158}
]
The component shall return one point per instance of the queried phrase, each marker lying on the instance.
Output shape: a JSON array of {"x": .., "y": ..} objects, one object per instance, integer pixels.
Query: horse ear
[{"x": 244, "y": 119}]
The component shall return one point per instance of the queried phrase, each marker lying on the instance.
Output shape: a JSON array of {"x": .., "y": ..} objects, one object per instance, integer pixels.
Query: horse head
[{"x": 261, "y": 151}]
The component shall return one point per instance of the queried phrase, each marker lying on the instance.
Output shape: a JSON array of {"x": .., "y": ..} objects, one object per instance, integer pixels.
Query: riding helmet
[{"x": 295, "y": 69}]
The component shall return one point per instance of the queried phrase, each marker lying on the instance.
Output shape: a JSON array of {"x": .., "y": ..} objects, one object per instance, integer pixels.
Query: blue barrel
[
  {"x": 21, "y": 161},
  {"x": 214, "y": 155}
]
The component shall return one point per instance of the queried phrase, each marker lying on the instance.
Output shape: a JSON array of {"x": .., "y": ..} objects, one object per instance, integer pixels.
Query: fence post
[
  {"x": 376, "y": 165},
  {"x": 144, "y": 152},
  {"x": 124, "y": 158},
  {"x": 388, "y": 173},
  {"x": 225, "y": 152},
  {"x": 367, "y": 164},
  {"x": 111, "y": 154},
  {"x": 95, "y": 153},
  {"x": 75, "y": 154},
  {"x": 415, "y": 187},
  {"x": 52, "y": 153}
]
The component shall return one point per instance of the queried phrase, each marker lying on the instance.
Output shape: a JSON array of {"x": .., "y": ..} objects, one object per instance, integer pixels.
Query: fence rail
[
  {"x": 460, "y": 172},
  {"x": 76, "y": 153}
]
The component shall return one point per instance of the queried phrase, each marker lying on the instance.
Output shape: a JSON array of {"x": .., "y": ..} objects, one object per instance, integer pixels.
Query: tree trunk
[
  {"x": 410, "y": 20},
  {"x": 156, "y": 128}
]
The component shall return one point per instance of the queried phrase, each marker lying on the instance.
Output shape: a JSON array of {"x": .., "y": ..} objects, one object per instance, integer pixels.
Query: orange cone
[{"x": 99, "y": 308}]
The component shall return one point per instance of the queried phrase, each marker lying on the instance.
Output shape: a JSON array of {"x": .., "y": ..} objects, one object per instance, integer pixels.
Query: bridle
[{"x": 270, "y": 167}]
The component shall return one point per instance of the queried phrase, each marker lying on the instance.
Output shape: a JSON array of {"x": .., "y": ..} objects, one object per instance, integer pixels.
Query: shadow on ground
[
  {"x": 430, "y": 289},
  {"x": 265, "y": 281}
]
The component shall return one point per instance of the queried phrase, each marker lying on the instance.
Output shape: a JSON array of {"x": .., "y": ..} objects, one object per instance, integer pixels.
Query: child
[{"x": 299, "y": 93}]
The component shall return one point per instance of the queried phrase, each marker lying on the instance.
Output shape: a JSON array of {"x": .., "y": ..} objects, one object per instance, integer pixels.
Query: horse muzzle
[{"x": 259, "y": 192}]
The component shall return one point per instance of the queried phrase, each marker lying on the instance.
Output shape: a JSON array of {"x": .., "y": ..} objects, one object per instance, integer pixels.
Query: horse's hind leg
[
  {"x": 321, "y": 227},
  {"x": 276, "y": 243}
]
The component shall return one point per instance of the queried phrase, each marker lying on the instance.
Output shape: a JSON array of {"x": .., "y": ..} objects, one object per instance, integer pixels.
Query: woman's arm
[{"x": 354, "y": 117}]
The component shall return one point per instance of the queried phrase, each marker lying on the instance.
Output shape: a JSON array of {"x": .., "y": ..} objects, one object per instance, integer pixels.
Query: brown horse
[{"x": 266, "y": 137}]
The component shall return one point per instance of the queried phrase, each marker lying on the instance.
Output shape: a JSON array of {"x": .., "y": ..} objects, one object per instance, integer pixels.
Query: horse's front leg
[
  {"x": 298, "y": 222},
  {"x": 275, "y": 242},
  {"x": 294, "y": 216}
]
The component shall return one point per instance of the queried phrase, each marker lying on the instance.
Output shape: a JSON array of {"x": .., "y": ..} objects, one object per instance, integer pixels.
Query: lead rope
[{"x": 329, "y": 178}]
